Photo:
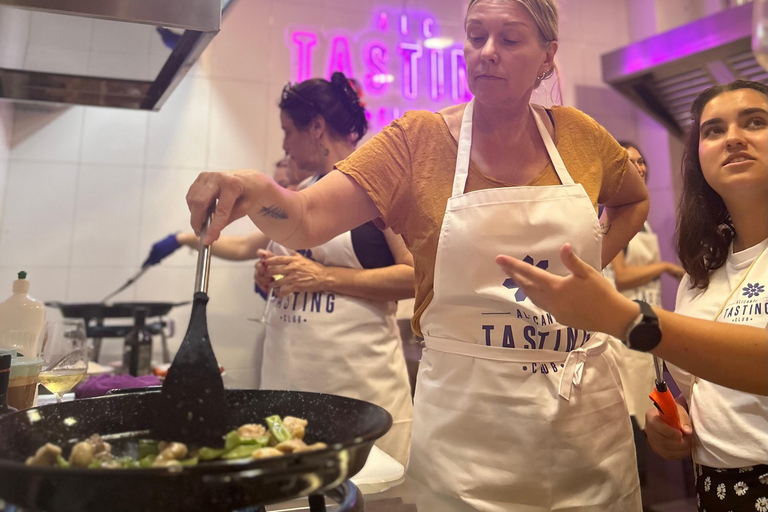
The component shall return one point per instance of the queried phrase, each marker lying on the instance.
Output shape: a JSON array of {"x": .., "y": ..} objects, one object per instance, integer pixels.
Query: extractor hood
[
  {"x": 664, "y": 73},
  {"x": 115, "y": 53}
]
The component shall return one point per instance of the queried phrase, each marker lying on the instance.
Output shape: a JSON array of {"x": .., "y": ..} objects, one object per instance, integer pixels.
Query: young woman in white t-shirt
[{"x": 718, "y": 333}]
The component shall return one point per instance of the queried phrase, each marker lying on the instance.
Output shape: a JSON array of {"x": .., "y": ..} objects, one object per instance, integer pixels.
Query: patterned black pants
[{"x": 732, "y": 490}]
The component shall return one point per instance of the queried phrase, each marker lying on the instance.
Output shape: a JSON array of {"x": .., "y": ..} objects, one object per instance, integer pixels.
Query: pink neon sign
[{"x": 392, "y": 59}]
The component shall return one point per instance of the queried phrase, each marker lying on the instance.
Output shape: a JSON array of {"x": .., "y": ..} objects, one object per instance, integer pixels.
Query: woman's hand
[
  {"x": 584, "y": 300},
  {"x": 262, "y": 277},
  {"x": 237, "y": 193},
  {"x": 300, "y": 274},
  {"x": 666, "y": 441},
  {"x": 675, "y": 271}
]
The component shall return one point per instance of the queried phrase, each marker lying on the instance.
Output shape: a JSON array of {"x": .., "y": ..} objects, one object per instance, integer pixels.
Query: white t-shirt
[{"x": 730, "y": 427}]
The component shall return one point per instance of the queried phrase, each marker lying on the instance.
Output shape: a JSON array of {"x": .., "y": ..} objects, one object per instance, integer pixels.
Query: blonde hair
[{"x": 543, "y": 12}]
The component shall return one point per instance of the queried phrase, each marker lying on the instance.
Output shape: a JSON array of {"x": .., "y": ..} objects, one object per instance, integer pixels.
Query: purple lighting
[
  {"x": 411, "y": 54},
  {"x": 339, "y": 59},
  {"x": 303, "y": 41},
  {"x": 401, "y": 59},
  {"x": 376, "y": 58},
  {"x": 437, "y": 74}
]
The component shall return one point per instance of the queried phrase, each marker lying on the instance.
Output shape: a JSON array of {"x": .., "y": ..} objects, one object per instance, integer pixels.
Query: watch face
[{"x": 645, "y": 336}]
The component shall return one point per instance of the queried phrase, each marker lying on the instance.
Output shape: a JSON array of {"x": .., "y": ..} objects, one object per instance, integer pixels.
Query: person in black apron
[{"x": 716, "y": 342}]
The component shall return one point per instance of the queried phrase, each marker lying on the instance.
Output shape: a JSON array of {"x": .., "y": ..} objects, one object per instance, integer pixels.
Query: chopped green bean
[
  {"x": 240, "y": 452},
  {"x": 278, "y": 430},
  {"x": 206, "y": 453},
  {"x": 147, "y": 447},
  {"x": 62, "y": 462}
]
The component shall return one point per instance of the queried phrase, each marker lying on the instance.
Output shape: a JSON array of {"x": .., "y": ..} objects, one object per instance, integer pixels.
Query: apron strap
[
  {"x": 554, "y": 155},
  {"x": 575, "y": 366},
  {"x": 465, "y": 149}
]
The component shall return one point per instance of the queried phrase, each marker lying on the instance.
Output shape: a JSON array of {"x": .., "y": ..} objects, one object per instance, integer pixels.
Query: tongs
[
  {"x": 663, "y": 399},
  {"x": 192, "y": 408}
]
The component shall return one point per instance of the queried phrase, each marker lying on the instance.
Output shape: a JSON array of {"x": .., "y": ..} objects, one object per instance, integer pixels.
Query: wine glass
[{"x": 65, "y": 359}]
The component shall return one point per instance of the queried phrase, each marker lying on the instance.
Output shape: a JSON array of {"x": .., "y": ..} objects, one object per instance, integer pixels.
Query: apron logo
[
  {"x": 510, "y": 283},
  {"x": 753, "y": 290}
]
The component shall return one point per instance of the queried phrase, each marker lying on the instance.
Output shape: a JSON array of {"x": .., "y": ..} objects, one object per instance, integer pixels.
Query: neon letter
[
  {"x": 383, "y": 22},
  {"x": 339, "y": 57},
  {"x": 437, "y": 74},
  {"x": 459, "y": 88},
  {"x": 376, "y": 58},
  {"x": 403, "y": 25},
  {"x": 411, "y": 53},
  {"x": 426, "y": 27},
  {"x": 302, "y": 54}
]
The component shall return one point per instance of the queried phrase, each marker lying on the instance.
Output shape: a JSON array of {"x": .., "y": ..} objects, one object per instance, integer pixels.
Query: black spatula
[{"x": 193, "y": 406}]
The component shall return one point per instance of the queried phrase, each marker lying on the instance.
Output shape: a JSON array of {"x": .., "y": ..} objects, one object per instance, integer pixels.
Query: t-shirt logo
[
  {"x": 752, "y": 290},
  {"x": 510, "y": 283}
]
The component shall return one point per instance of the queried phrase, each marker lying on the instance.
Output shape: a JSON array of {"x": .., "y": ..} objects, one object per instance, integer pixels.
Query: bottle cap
[{"x": 21, "y": 284}]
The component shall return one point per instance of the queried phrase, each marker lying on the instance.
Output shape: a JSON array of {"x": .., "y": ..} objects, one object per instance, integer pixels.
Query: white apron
[
  {"x": 513, "y": 411},
  {"x": 636, "y": 368},
  {"x": 746, "y": 304},
  {"x": 332, "y": 343}
]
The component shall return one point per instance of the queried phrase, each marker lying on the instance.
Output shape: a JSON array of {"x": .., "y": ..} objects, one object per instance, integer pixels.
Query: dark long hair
[
  {"x": 337, "y": 101},
  {"x": 704, "y": 227}
]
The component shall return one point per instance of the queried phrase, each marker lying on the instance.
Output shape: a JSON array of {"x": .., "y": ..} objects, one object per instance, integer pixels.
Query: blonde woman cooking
[{"x": 513, "y": 411}]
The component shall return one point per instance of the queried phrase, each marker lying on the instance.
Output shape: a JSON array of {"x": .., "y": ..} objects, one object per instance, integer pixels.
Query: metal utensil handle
[
  {"x": 658, "y": 365},
  {"x": 204, "y": 256},
  {"x": 126, "y": 285}
]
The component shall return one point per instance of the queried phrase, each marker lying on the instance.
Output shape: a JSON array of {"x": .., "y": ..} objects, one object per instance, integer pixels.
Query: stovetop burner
[{"x": 347, "y": 496}]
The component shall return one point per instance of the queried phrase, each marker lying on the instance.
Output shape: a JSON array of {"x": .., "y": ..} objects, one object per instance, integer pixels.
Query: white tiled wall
[{"x": 90, "y": 189}]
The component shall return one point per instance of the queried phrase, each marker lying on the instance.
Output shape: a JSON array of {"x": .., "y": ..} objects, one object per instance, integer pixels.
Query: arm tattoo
[
  {"x": 274, "y": 211},
  {"x": 605, "y": 228}
]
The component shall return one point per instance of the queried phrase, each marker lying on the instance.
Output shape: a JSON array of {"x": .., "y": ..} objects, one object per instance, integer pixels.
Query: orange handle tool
[{"x": 662, "y": 398}]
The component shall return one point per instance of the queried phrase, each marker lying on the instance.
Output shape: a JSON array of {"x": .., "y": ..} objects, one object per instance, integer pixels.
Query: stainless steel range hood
[
  {"x": 114, "y": 53},
  {"x": 664, "y": 74}
]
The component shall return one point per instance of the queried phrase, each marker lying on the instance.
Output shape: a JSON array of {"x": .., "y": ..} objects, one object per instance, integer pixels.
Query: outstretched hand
[{"x": 584, "y": 299}]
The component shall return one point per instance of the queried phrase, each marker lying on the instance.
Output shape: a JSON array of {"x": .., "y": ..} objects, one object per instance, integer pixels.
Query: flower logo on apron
[
  {"x": 510, "y": 283},
  {"x": 753, "y": 290}
]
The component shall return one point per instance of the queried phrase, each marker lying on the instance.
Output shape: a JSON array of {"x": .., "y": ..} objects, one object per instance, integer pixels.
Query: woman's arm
[
  {"x": 388, "y": 283},
  {"x": 235, "y": 248},
  {"x": 297, "y": 220},
  {"x": 632, "y": 276},
  {"x": 624, "y": 214},
  {"x": 735, "y": 356}
]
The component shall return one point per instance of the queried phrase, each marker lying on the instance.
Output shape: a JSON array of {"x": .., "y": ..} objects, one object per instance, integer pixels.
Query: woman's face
[
  {"x": 298, "y": 144},
  {"x": 733, "y": 142},
  {"x": 636, "y": 158},
  {"x": 503, "y": 52}
]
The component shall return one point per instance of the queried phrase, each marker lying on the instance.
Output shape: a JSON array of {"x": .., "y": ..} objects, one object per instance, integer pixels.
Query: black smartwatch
[{"x": 644, "y": 333}]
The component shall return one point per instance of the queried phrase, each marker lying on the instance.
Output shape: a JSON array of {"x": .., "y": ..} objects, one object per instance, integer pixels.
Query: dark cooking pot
[{"x": 348, "y": 426}]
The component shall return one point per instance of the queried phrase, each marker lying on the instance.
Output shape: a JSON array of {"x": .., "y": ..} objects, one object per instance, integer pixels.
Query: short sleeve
[
  {"x": 383, "y": 168},
  {"x": 614, "y": 160}
]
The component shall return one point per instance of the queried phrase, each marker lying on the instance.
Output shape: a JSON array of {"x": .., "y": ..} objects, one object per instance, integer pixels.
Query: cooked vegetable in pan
[{"x": 252, "y": 441}]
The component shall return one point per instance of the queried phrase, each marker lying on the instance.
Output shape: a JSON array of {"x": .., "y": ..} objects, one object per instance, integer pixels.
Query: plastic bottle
[{"x": 21, "y": 320}]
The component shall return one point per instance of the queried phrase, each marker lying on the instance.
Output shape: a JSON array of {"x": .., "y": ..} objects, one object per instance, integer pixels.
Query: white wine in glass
[{"x": 65, "y": 358}]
